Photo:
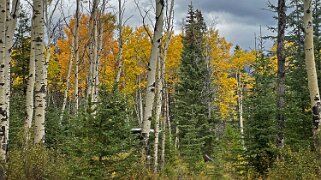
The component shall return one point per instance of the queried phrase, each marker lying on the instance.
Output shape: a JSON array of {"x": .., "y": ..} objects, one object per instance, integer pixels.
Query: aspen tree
[
  {"x": 91, "y": 32},
  {"x": 3, "y": 104},
  {"x": 161, "y": 79},
  {"x": 40, "y": 79},
  {"x": 150, "y": 91},
  {"x": 159, "y": 89},
  {"x": 64, "y": 102},
  {"x": 76, "y": 37},
  {"x": 312, "y": 74},
  {"x": 30, "y": 87},
  {"x": 11, "y": 22},
  {"x": 120, "y": 43}
]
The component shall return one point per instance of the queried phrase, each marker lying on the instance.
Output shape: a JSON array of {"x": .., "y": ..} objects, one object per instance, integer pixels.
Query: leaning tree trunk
[
  {"x": 312, "y": 74},
  {"x": 3, "y": 102},
  {"x": 40, "y": 80},
  {"x": 281, "y": 74},
  {"x": 150, "y": 91}
]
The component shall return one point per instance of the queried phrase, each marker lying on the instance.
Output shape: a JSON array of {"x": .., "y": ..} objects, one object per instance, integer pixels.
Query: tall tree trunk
[
  {"x": 77, "y": 57},
  {"x": 64, "y": 102},
  {"x": 40, "y": 80},
  {"x": 163, "y": 143},
  {"x": 3, "y": 102},
  {"x": 281, "y": 74},
  {"x": 120, "y": 44},
  {"x": 92, "y": 38},
  {"x": 11, "y": 22},
  {"x": 30, "y": 88},
  {"x": 94, "y": 69},
  {"x": 159, "y": 95},
  {"x": 150, "y": 91},
  {"x": 240, "y": 106},
  {"x": 312, "y": 74},
  {"x": 140, "y": 102}
]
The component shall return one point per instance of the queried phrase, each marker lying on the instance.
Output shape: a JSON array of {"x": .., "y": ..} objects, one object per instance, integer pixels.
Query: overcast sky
[{"x": 236, "y": 20}]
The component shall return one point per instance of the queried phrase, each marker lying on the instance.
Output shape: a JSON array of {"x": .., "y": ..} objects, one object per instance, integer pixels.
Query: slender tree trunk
[
  {"x": 312, "y": 74},
  {"x": 64, "y": 102},
  {"x": 120, "y": 44},
  {"x": 94, "y": 69},
  {"x": 163, "y": 143},
  {"x": 167, "y": 114},
  {"x": 40, "y": 80},
  {"x": 159, "y": 95},
  {"x": 281, "y": 74},
  {"x": 150, "y": 91},
  {"x": 177, "y": 137},
  {"x": 139, "y": 102},
  {"x": 240, "y": 106},
  {"x": 92, "y": 38},
  {"x": 77, "y": 57},
  {"x": 3, "y": 101},
  {"x": 97, "y": 65},
  {"x": 11, "y": 23},
  {"x": 30, "y": 88}
]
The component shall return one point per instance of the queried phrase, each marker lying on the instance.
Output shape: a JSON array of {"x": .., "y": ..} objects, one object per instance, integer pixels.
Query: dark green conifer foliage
[
  {"x": 298, "y": 129},
  {"x": 104, "y": 146},
  {"x": 191, "y": 93},
  {"x": 260, "y": 113}
]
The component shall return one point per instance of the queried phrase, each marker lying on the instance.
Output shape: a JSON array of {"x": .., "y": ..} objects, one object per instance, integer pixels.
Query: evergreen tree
[
  {"x": 260, "y": 113},
  {"x": 297, "y": 132},
  {"x": 191, "y": 96}
]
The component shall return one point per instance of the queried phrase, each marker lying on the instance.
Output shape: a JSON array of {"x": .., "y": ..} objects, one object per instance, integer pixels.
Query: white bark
[
  {"x": 30, "y": 88},
  {"x": 40, "y": 79},
  {"x": 120, "y": 44},
  {"x": 93, "y": 94},
  {"x": 3, "y": 102},
  {"x": 240, "y": 106},
  {"x": 77, "y": 57},
  {"x": 64, "y": 103},
  {"x": 11, "y": 23},
  {"x": 150, "y": 91},
  {"x": 312, "y": 74},
  {"x": 163, "y": 143},
  {"x": 159, "y": 95}
]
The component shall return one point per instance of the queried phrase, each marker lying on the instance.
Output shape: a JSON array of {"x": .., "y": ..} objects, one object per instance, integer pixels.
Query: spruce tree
[{"x": 191, "y": 96}]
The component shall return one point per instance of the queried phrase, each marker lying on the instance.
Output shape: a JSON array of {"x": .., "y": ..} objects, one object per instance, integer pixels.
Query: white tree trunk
[
  {"x": 30, "y": 88},
  {"x": 40, "y": 79},
  {"x": 11, "y": 23},
  {"x": 64, "y": 103},
  {"x": 150, "y": 91},
  {"x": 3, "y": 101},
  {"x": 312, "y": 74},
  {"x": 159, "y": 95},
  {"x": 163, "y": 143},
  {"x": 240, "y": 106},
  {"x": 77, "y": 57},
  {"x": 92, "y": 51},
  {"x": 94, "y": 70},
  {"x": 120, "y": 44}
]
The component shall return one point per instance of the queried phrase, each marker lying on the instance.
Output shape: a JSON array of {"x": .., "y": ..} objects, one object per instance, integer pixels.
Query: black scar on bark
[
  {"x": 43, "y": 89},
  {"x": 316, "y": 109},
  {"x": 3, "y": 113}
]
